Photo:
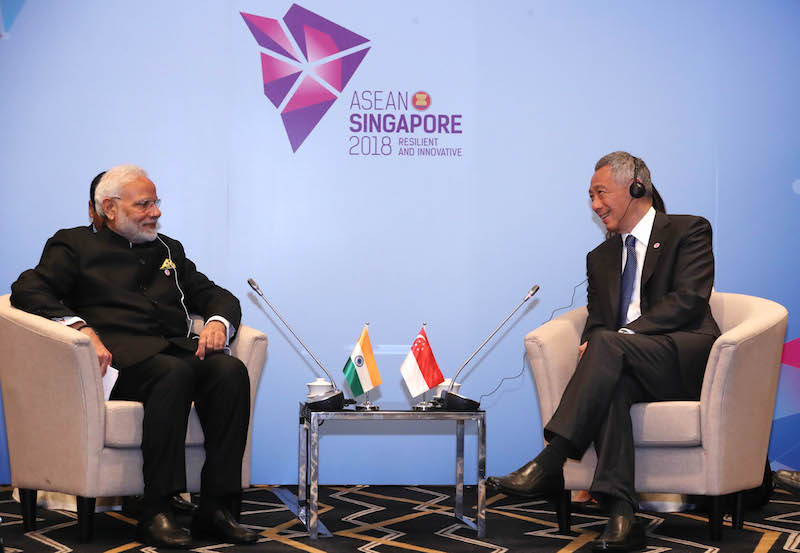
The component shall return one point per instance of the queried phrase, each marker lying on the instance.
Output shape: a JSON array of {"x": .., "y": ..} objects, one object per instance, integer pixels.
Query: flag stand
[
  {"x": 367, "y": 405},
  {"x": 424, "y": 405}
]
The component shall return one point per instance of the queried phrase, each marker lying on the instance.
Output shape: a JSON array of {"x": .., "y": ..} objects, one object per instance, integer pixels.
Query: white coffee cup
[
  {"x": 319, "y": 387},
  {"x": 441, "y": 388}
]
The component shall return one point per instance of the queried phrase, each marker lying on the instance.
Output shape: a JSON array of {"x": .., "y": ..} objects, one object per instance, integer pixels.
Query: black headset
[{"x": 637, "y": 189}]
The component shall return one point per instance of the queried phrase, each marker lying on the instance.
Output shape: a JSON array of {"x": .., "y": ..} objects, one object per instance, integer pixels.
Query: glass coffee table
[{"x": 306, "y": 504}]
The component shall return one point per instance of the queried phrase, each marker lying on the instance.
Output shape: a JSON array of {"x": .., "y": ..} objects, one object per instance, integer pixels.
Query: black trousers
[
  {"x": 167, "y": 384},
  {"x": 616, "y": 371}
]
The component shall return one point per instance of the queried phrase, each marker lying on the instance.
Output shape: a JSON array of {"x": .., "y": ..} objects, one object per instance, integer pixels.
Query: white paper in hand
[{"x": 108, "y": 381}]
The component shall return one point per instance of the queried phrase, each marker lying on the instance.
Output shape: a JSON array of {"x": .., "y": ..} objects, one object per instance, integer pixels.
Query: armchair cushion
[
  {"x": 124, "y": 425},
  {"x": 666, "y": 424}
]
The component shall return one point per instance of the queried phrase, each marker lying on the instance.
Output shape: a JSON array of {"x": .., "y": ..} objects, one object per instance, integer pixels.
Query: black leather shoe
[
  {"x": 530, "y": 481},
  {"x": 163, "y": 531},
  {"x": 221, "y": 525},
  {"x": 621, "y": 534},
  {"x": 788, "y": 480},
  {"x": 180, "y": 504}
]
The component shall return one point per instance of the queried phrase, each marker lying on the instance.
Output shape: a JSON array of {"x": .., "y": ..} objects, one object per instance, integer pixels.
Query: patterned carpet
[{"x": 390, "y": 519}]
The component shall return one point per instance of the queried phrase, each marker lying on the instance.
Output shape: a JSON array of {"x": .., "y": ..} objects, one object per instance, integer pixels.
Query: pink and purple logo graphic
[
  {"x": 318, "y": 54},
  {"x": 784, "y": 443}
]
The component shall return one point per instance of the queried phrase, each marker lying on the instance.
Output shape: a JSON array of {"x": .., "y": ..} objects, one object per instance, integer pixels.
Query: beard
[{"x": 132, "y": 231}]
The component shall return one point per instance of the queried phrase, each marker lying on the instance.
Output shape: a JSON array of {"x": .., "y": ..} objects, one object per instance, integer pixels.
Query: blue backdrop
[{"x": 343, "y": 229}]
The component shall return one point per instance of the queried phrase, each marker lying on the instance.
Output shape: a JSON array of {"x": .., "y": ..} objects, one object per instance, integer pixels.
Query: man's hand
[
  {"x": 581, "y": 349},
  {"x": 212, "y": 338},
  {"x": 103, "y": 355}
]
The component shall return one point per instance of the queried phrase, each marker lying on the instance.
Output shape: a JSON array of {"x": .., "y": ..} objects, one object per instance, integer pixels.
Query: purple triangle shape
[
  {"x": 300, "y": 122},
  {"x": 350, "y": 64},
  {"x": 277, "y": 90},
  {"x": 298, "y": 17},
  {"x": 265, "y": 41}
]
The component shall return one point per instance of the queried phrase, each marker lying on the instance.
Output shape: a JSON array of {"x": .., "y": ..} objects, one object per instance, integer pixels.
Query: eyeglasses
[{"x": 142, "y": 205}]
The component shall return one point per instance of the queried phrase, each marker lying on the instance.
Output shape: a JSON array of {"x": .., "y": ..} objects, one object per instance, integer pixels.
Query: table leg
[
  {"x": 459, "y": 510},
  {"x": 314, "y": 477},
  {"x": 302, "y": 463},
  {"x": 481, "y": 510}
]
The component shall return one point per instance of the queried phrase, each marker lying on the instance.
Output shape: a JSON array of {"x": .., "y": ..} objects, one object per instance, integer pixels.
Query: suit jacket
[
  {"x": 677, "y": 278},
  {"x": 121, "y": 291}
]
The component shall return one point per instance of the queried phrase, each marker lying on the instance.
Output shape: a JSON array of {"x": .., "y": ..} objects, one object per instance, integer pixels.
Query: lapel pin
[
  {"x": 656, "y": 245},
  {"x": 166, "y": 266}
]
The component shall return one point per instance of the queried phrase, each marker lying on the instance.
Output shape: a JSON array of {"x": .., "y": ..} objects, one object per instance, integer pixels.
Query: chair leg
[
  {"x": 738, "y": 511},
  {"x": 563, "y": 512},
  {"x": 85, "y": 518},
  {"x": 715, "y": 516},
  {"x": 28, "y": 500}
]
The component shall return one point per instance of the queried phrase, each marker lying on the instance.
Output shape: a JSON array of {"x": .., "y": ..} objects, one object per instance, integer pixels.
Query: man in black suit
[
  {"x": 647, "y": 338},
  {"x": 130, "y": 290},
  {"x": 178, "y": 502}
]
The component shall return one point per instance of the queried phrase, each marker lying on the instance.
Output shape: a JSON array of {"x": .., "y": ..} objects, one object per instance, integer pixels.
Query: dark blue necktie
[{"x": 627, "y": 281}]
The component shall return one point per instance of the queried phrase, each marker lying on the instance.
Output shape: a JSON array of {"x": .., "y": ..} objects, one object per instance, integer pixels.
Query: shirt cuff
[
  {"x": 69, "y": 320},
  {"x": 624, "y": 330},
  {"x": 228, "y": 327}
]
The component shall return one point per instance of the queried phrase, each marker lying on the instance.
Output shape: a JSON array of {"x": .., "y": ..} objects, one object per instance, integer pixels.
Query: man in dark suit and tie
[
  {"x": 130, "y": 290},
  {"x": 647, "y": 338}
]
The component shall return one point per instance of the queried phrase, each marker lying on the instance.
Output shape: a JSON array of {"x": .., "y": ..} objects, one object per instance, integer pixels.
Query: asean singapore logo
[{"x": 305, "y": 71}]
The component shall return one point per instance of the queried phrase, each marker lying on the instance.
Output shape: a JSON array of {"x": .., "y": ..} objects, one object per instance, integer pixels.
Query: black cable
[{"x": 572, "y": 301}]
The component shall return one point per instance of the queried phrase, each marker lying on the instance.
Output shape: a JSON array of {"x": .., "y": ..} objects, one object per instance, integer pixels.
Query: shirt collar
[
  {"x": 107, "y": 234},
  {"x": 643, "y": 228}
]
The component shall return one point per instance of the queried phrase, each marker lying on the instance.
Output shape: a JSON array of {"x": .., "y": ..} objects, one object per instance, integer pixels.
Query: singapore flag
[{"x": 419, "y": 370}]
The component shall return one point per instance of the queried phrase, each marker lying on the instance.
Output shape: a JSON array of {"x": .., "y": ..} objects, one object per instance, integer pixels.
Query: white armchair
[
  {"x": 712, "y": 447},
  {"x": 63, "y": 436}
]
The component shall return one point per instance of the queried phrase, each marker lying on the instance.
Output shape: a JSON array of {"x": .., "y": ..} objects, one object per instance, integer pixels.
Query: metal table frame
[{"x": 308, "y": 460}]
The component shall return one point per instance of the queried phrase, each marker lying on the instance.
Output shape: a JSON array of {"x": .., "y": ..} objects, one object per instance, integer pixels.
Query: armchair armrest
[
  {"x": 250, "y": 346},
  {"x": 53, "y": 400},
  {"x": 553, "y": 354},
  {"x": 741, "y": 378}
]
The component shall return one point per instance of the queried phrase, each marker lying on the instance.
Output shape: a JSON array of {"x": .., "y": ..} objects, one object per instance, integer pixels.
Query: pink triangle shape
[
  {"x": 791, "y": 353},
  {"x": 318, "y": 44},
  {"x": 338, "y": 72},
  {"x": 273, "y": 69},
  {"x": 309, "y": 93},
  {"x": 332, "y": 73},
  {"x": 269, "y": 34}
]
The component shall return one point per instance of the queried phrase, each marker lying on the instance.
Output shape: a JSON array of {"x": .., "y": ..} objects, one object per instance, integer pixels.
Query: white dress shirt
[{"x": 641, "y": 232}]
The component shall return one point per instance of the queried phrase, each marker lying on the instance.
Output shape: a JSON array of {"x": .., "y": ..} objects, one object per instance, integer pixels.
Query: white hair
[
  {"x": 113, "y": 182},
  {"x": 622, "y": 169}
]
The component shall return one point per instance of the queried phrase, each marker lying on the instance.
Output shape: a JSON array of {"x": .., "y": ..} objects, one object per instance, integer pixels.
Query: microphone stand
[
  {"x": 452, "y": 401},
  {"x": 332, "y": 400}
]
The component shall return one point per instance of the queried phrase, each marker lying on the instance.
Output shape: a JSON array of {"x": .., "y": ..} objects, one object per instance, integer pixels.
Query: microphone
[
  {"x": 329, "y": 401},
  {"x": 531, "y": 293},
  {"x": 456, "y": 402}
]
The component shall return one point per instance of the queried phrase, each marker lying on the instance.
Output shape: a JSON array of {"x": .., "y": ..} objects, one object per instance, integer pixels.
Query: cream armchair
[
  {"x": 712, "y": 447},
  {"x": 63, "y": 436}
]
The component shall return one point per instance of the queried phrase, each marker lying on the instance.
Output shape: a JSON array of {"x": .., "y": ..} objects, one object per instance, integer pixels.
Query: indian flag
[{"x": 360, "y": 371}]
